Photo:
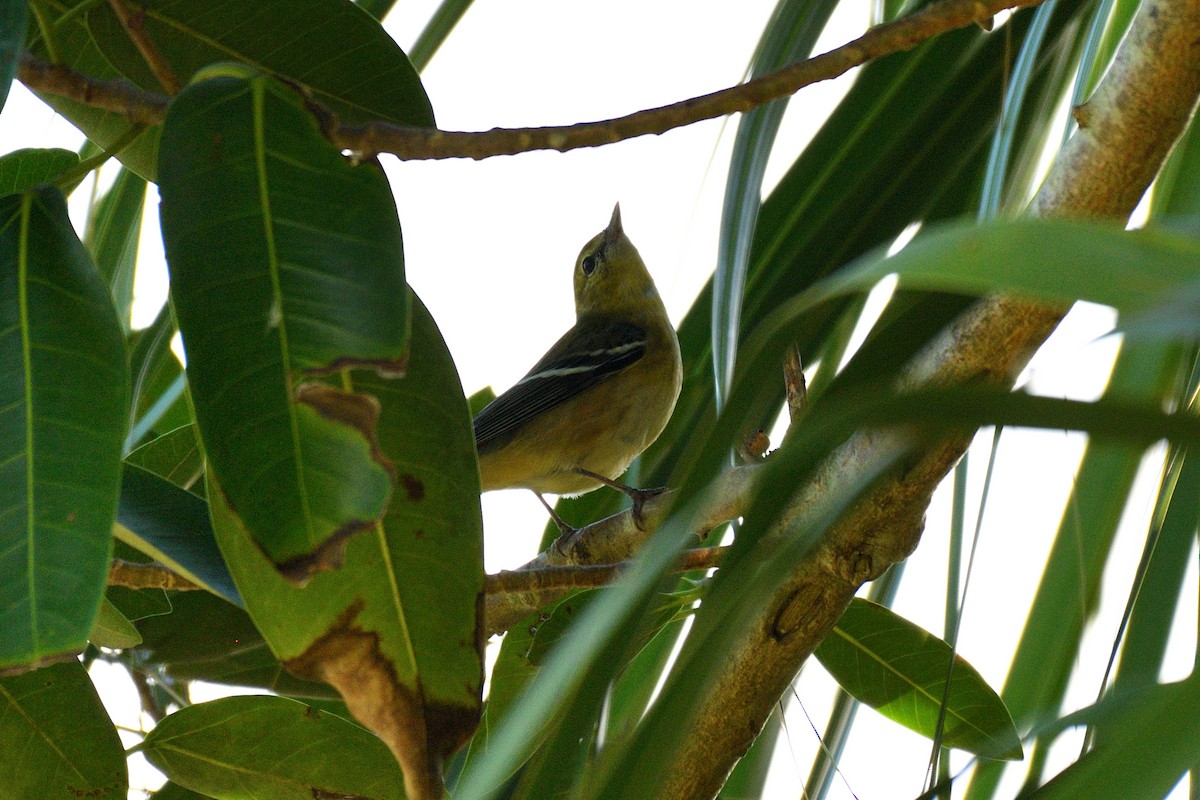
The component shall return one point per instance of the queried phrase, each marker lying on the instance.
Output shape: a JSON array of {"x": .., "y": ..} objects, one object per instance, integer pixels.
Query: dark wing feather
[{"x": 582, "y": 358}]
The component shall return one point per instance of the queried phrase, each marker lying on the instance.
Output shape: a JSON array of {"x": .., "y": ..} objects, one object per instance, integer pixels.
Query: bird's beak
[{"x": 614, "y": 226}]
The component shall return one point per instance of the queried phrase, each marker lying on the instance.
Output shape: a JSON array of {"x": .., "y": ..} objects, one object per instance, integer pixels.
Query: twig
[
  {"x": 904, "y": 34},
  {"x": 795, "y": 385},
  {"x": 408, "y": 143},
  {"x": 134, "y": 575},
  {"x": 136, "y": 105},
  {"x": 513, "y": 595},
  {"x": 146, "y": 694},
  {"x": 133, "y": 21}
]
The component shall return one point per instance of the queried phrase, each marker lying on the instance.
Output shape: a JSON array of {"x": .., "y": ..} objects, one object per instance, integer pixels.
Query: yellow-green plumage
[{"x": 601, "y": 395}]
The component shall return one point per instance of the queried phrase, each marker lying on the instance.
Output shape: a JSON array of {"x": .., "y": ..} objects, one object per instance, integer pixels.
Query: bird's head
[{"x": 609, "y": 274}]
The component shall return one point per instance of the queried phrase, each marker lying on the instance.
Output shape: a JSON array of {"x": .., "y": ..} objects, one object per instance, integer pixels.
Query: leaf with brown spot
[
  {"x": 398, "y": 628},
  {"x": 286, "y": 264}
]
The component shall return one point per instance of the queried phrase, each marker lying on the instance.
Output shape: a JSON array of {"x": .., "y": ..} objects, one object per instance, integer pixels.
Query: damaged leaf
[
  {"x": 286, "y": 266},
  {"x": 398, "y": 629}
]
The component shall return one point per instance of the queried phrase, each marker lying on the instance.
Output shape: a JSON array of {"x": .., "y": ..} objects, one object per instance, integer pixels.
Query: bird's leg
[
  {"x": 563, "y": 527},
  {"x": 636, "y": 496}
]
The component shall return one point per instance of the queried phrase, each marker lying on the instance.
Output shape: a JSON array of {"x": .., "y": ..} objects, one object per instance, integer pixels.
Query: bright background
[{"x": 490, "y": 247}]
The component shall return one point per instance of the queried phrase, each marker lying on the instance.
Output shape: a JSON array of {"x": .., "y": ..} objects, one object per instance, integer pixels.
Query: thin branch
[
  {"x": 893, "y": 37},
  {"x": 133, "y": 21},
  {"x": 152, "y": 575},
  {"x": 513, "y": 595},
  {"x": 119, "y": 96},
  {"x": 408, "y": 143}
]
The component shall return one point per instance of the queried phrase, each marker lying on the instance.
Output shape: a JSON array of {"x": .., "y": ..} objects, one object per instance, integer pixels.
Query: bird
[{"x": 599, "y": 397}]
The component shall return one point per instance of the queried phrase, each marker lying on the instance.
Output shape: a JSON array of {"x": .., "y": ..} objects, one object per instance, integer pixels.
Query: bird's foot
[
  {"x": 636, "y": 496},
  {"x": 563, "y": 527}
]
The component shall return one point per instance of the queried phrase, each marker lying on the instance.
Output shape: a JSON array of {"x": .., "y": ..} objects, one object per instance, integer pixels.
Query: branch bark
[
  {"x": 408, "y": 143},
  {"x": 1126, "y": 130}
]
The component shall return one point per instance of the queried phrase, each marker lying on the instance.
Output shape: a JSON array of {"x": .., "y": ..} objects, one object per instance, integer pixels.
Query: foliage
[{"x": 311, "y": 475}]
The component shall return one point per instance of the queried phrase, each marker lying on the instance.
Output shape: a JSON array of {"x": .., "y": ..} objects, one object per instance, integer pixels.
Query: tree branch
[
  {"x": 119, "y": 96},
  {"x": 151, "y": 575},
  {"x": 1126, "y": 130},
  {"x": 893, "y": 37},
  {"x": 408, "y": 143},
  {"x": 132, "y": 21},
  {"x": 513, "y": 595}
]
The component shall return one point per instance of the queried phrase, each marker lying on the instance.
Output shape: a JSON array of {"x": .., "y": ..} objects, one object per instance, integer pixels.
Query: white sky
[{"x": 490, "y": 247}]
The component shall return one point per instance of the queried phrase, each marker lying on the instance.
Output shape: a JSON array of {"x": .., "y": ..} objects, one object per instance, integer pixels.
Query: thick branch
[
  {"x": 1127, "y": 129},
  {"x": 409, "y": 143}
]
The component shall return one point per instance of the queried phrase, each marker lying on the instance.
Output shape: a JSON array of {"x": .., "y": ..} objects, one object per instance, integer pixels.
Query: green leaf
[
  {"x": 906, "y": 144},
  {"x": 112, "y": 238},
  {"x": 353, "y": 67},
  {"x": 171, "y": 525},
  {"x": 14, "y": 15},
  {"x": 271, "y": 748},
  {"x": 112, "y": 630},
  {"x": 173, "y": 791},
  {"x": 396, "y": 628},
  {"x": 286, "y": 265},
  {"x": 447, "y": 15},
  {"x": 1153, "y": 746},
  {"x": 209, "y": 639},
  {"x": 24, "y": 169},
  {"x": 63, "y": 401},
  {"x": 159, "y": 396},
  {"x": 174, "y": 456},
  {"x": 57, "y": 739},
  {"x": 788, "y": 37},
  {"x": 899, "y": 669},
  {"x": 76, "y": 49}
]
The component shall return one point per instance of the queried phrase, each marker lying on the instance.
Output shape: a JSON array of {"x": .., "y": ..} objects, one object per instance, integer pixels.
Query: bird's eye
[{"x": 588, "y": 264}]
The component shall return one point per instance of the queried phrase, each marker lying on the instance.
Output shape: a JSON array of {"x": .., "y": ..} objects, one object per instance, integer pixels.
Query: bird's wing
[{"x": 583, "y": 357}]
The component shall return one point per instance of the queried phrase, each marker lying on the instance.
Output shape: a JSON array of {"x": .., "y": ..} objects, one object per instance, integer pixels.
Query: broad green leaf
[
  {"x": 14, "y": 16},
  {"x": 899, "y": 669},
  {"x": 63, "y": 401},
  {"x": 57, "y": 740},
  {"x": 209, "y": 639},
  {"x": 333, "y": 47},
  {"x": 24, "y": 169},
  {"x": 286, "y": 265},
  {"x": 271, "y": 748},
  {"x": 112, "y": 238},
  {"x": 396, "y": 628},
  {"x": 112, "y": 630},
  {"x": 171, "y": 525}
]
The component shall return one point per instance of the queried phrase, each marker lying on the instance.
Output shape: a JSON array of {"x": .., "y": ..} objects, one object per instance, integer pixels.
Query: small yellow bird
[{"x": 600, "y": 396}]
